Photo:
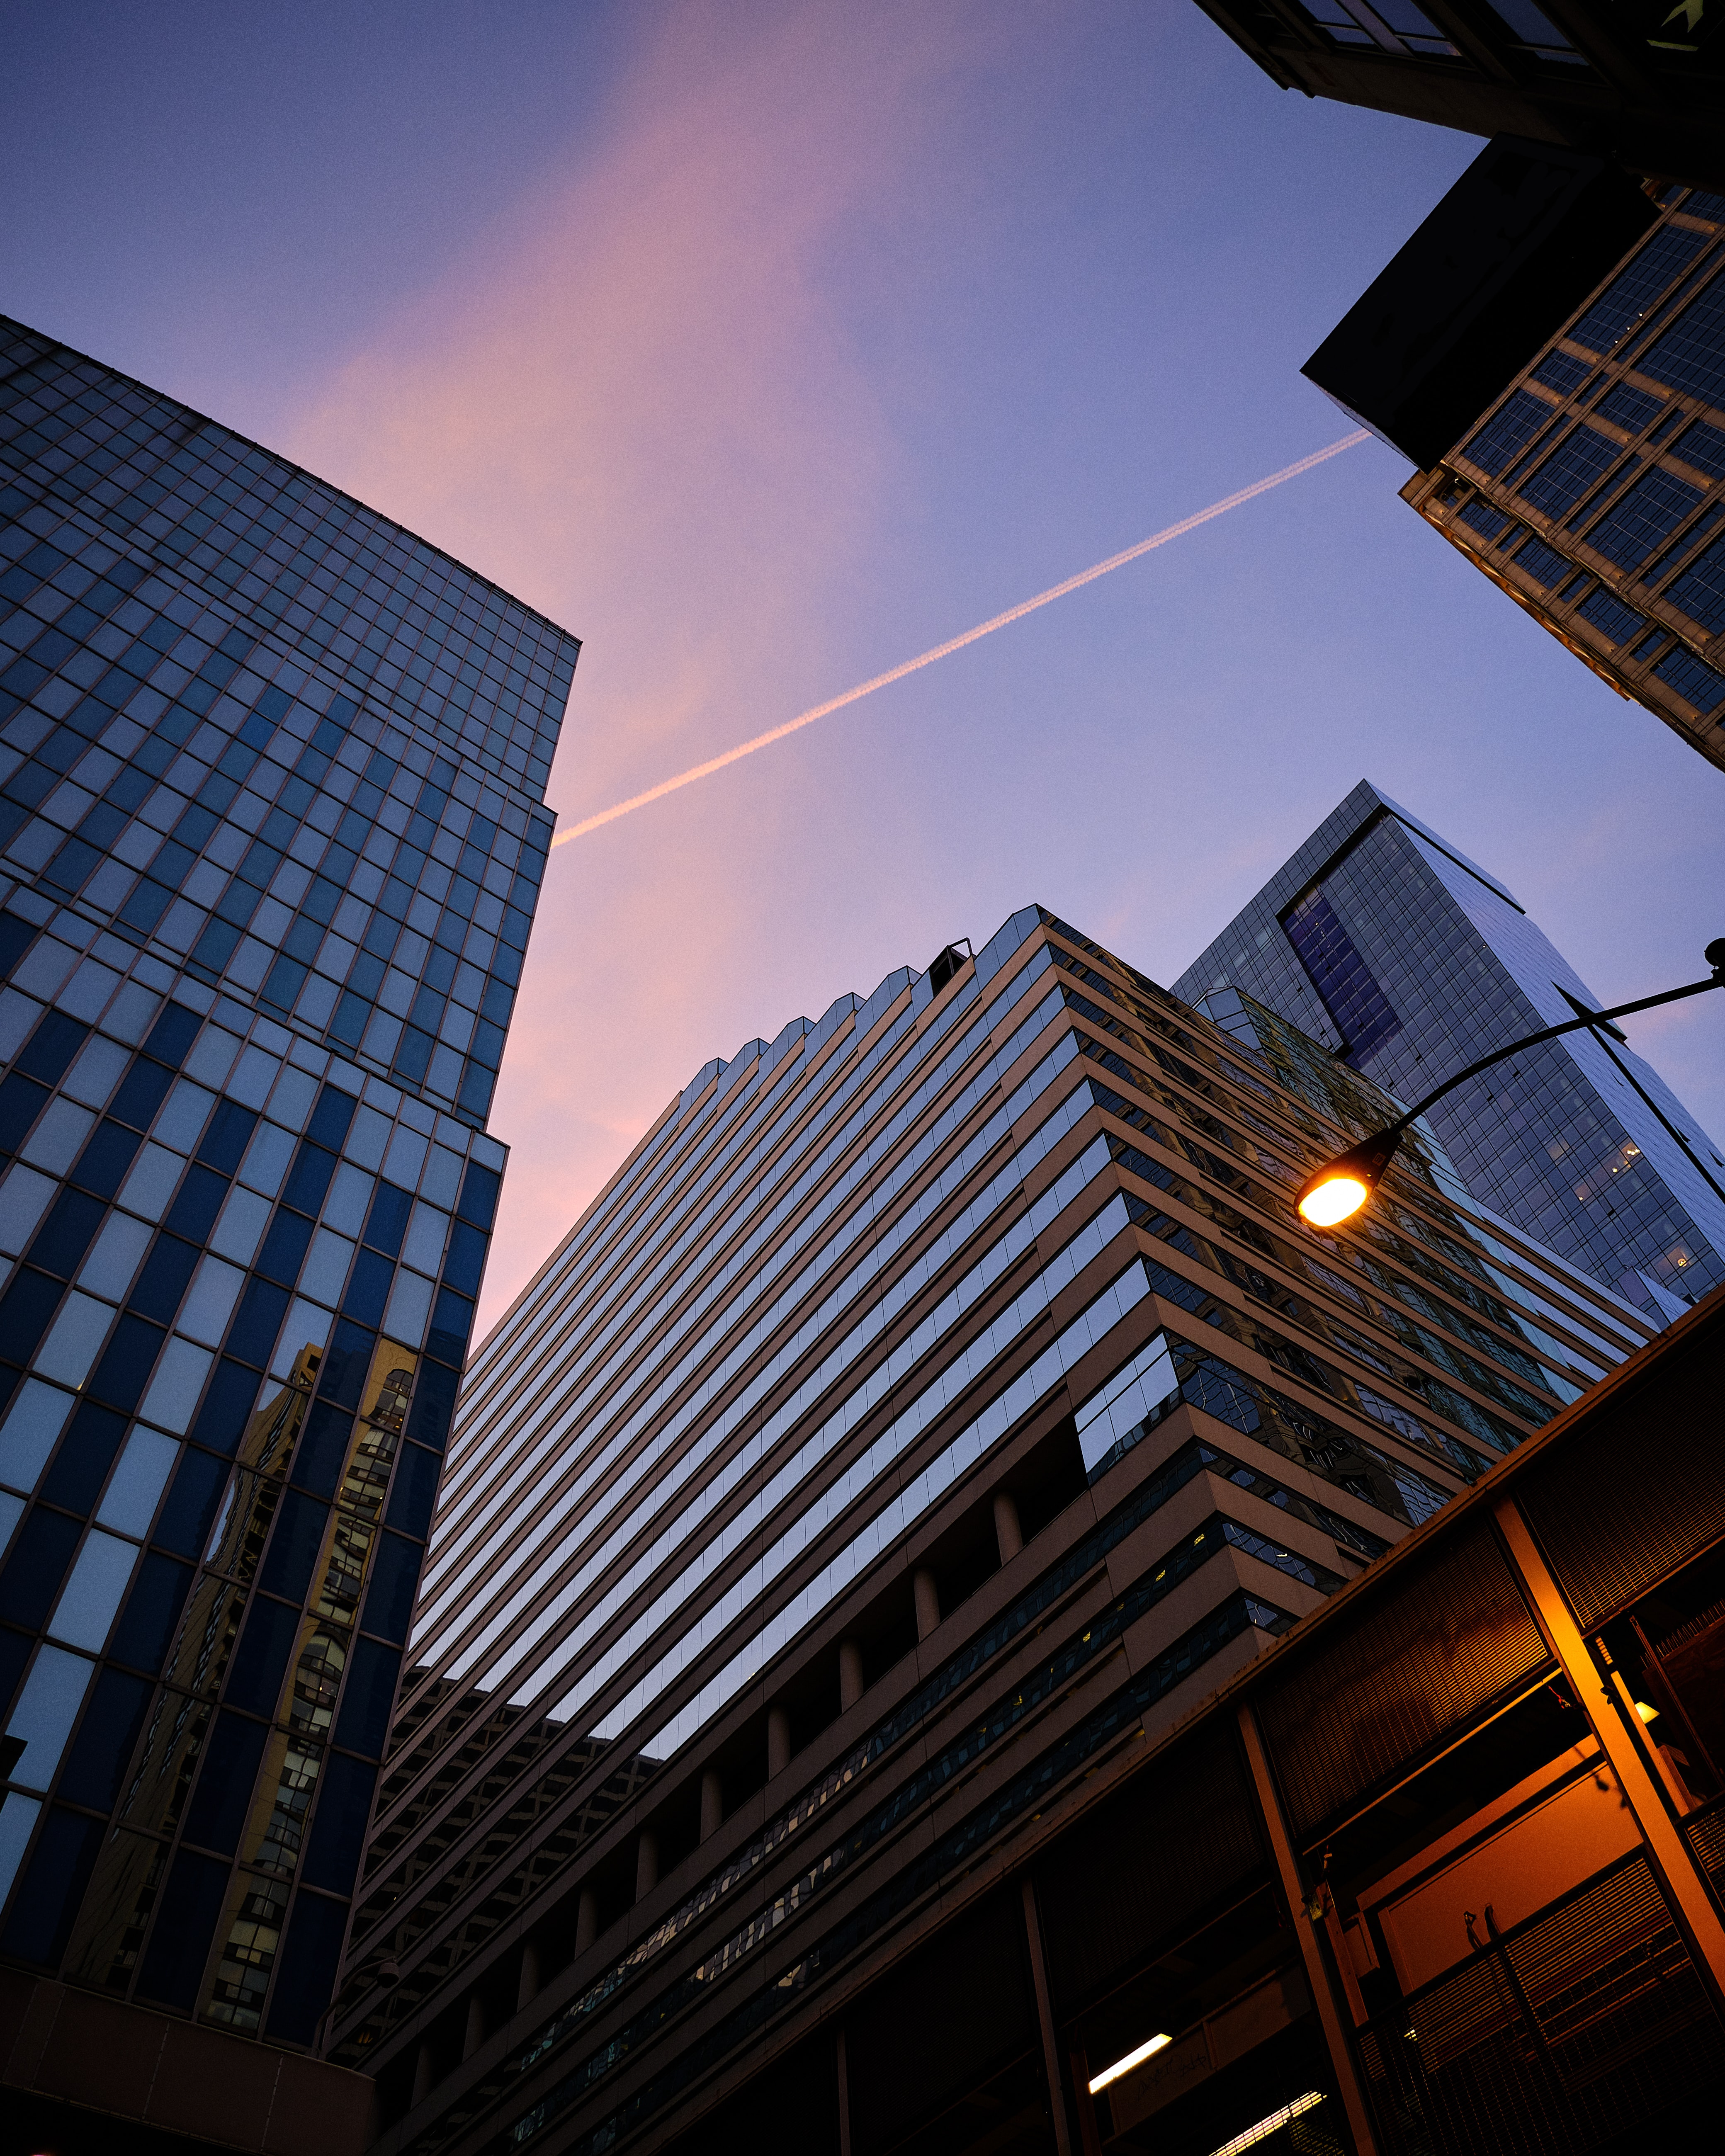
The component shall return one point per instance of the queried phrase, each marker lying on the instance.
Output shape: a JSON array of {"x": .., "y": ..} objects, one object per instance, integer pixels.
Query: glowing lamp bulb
[
  {"x": 1647, "y": 1712},
  {"x": 1338, "y": 1197}
]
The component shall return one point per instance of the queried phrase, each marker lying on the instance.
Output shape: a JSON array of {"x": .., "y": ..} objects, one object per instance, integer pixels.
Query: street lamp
[{"x": 1338, "y": 1189}]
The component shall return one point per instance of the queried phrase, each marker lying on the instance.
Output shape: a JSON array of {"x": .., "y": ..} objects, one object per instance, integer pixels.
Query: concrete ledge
[{"x": 99, "y": 2054}]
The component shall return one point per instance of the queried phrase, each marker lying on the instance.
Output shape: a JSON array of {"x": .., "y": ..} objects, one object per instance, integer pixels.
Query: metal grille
[
  {"x": 1636, "y": 1499},
  {"x": 1584, "y": 2025},
  {"x": 1355, "y": 1712}
]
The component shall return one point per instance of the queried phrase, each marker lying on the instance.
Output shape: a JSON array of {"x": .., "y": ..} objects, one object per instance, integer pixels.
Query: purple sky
[{"x": 764, "y": 347}]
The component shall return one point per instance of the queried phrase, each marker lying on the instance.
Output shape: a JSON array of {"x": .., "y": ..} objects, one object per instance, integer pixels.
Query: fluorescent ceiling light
[
  {"x": 1126, "y": 2065},
  {"x": 1266, "y": 2126}
]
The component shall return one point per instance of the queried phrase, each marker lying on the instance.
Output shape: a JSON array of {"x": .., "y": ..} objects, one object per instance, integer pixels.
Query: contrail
[{"x": 957, "y": 643}]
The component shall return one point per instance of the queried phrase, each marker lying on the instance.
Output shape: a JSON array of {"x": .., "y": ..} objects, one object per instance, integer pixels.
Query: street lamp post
[{"x": 1337, "y": 1191}]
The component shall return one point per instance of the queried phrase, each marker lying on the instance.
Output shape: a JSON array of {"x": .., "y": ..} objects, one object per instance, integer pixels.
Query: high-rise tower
[
  {"x": 940, "y": 1395},
  {"x": 1385, "y": 942},
  {"x": 271, "y": 801}
]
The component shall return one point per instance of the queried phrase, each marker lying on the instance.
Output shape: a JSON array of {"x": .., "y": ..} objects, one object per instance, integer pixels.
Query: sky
[{"x": 765, "y": 346}]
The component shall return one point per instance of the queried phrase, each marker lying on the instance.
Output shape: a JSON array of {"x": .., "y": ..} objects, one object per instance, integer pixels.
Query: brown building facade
[
  {"x": 939, "y": 1405},
  {"x": 1592, "y": 488}
]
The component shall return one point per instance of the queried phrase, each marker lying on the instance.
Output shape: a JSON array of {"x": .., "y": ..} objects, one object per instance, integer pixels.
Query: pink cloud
[{"x": 637, "y": 408}]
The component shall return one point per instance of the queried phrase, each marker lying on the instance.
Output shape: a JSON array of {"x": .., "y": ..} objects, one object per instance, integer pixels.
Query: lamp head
[{"x": 1338, "y": 1189}]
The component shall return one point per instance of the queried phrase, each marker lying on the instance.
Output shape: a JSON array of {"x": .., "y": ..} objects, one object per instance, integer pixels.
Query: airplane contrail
[{"x": 957, "y": 643}]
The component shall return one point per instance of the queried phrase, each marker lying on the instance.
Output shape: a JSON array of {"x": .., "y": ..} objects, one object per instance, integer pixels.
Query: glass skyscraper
[
  {"x": 1381, "y": 939},
  {"x": 271, "y": 807},
  {"x": 942, "y": 1394}
]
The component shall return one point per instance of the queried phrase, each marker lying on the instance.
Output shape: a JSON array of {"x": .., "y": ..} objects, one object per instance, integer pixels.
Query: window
[
  {"x": 1508, "y": 432},
  {"x": 1629, "y": 408},
  {"x": 1690, "y": 353},
  {"x": 1579, "y": 459},
  {"x": 1609, "y": 616},
  {"x": 1535, "y": 32},
  {"x": 1693, "y": 679},
  {"x": 1480, "y": 516},
  {"x": 1703, "y": 447},
  {"x": 1542, "y": 563},
  {"x": 1649, "y": 513},
  {"x": 1630, "y": 296},
  {"x": 1700, "y": 591},
  {"x": 1561, "y": 370}
]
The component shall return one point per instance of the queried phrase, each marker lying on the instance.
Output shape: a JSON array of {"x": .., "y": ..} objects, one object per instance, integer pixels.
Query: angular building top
[
  {"x": 1635, "y": 80},
  {"x": 1490, "y": 278},
  {"x": 1384, "y": 941},
  {"x": 925, "y": 1375},
  {"x": 271, "y": 835}
]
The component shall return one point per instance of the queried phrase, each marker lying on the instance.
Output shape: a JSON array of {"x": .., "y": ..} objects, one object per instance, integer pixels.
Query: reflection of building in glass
[
  {"x": 922, "y": 1378},
  {"x": 271, "y": 833},
  {"x": 1381, "y": 939}
]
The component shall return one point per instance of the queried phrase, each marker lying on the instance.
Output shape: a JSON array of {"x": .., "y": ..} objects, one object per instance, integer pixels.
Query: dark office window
[
  {"x": 1609, "y": 616},
  {"x": 1508, "y": 432},
  {"x": 1700, "y": 591},
  {"x": 152, "y": 1611},
  {"x": 305, "y": 1979},
  {"x": 1693, "y": 680},
  {"x": 222, "y": 1796},
  {"x": 1631, "y": 294},
  {"x": 53, "y": 1885},
  {"x": 110, "y": 1728},
  {"x": 344, "y": 1804},
  {"x": 1646, "y": 516},
  {"x": 180, "y": 1938},
  {"x": 1571, "y": 469}
]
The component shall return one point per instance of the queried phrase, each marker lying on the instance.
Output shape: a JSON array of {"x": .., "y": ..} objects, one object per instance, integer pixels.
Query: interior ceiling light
[
  {"x": 1266, "y": 2126},
  {"x": 1648, "y": 1713},
  {"x": 1126, "y": 2065}
]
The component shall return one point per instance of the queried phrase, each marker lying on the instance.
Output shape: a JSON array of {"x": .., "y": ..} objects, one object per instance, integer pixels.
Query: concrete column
[
  {"x": 928, "y": 1602},
  {"x": 712, "y": 1804},
  {"x": 1007, "y": 1533},
  {"x": 646, "y": 1864},
  {"x": 422, "y": 2075},
  {"x": 851, "y": 1673},
  {"x": 778, "y": 1740},
  {"x": 528, "y": 1989},
  {"x": 587, "y": 1920},
  {"x": 474, "y": 2033}
]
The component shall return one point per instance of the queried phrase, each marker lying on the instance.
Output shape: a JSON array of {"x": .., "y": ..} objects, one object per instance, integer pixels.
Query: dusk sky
[{"x": 764, "y": 347}]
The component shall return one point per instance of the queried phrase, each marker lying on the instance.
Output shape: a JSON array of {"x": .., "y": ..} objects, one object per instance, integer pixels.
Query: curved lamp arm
[{"x": 1335, "y": 1191}]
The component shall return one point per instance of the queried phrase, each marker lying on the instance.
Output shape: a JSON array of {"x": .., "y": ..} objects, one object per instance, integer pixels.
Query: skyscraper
[
  {"x": 1638, "y": 79},
  {"x": 271, "y": 799},
  {"x": 939, "y": 1394},
  {"x": 1590, "y": 485},
  {"x": 1386, "y": 942}
]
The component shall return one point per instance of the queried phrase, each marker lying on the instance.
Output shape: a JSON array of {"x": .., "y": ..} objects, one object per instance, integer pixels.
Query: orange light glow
[{"x": 1338, "y": 1197}]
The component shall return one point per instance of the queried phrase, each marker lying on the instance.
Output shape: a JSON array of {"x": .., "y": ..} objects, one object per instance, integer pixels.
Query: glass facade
[
  {"x": 271, "y": 808},
  {"x": 1578, "y": 1142},
  {"x": 1606, "y": 527},
  {"x": 891, "y": 1337}
]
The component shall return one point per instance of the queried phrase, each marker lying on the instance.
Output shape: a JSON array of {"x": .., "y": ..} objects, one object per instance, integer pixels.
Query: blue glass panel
[
  {"x": 261, "y": 1658},
  {"x": 363, "y": 1721},
  {"x": 47, "y": 1897},
  {"x": 180, "y": 1937},
  {"x": 99, "y": 1755},
  {"x": 304, "y": 1981},
  {"x": 220, "y": 1801},
  {"x": 146, "y": 1625},
  {"x": 413, "y": 1495},
  {"x": 345, "y": 1791},
  {"x": 395, "y": 1573}
]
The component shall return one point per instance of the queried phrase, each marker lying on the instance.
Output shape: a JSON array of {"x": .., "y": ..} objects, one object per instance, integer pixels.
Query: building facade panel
[
  {"x": 937, "y": 1393},
  {"x": 271, "y": 807}
]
